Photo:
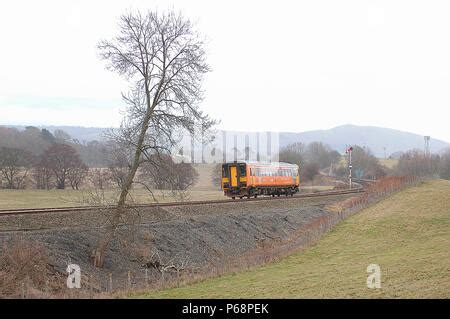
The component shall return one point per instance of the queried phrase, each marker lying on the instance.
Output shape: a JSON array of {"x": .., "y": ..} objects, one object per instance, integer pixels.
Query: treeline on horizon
[
  {"x": 38, "y": 158},
  {"x": 41, "y": 159},
  {"x": 316, "y": 157}
]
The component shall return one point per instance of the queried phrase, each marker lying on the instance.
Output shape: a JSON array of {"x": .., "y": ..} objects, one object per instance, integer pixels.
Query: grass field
[
  {"x": 407, "y": 235},
  {"x": 36, "y": 198},
  {"x": 388, "y": 162}
]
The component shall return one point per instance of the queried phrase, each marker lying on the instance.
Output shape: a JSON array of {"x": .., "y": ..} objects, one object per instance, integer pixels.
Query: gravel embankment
[{"x": 200, "y": 235}]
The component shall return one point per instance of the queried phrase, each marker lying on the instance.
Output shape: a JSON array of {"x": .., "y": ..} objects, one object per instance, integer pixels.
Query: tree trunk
[{"x": 100, "y": 252}]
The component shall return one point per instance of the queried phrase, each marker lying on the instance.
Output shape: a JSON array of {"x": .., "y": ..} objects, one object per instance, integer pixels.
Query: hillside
[
  {"x": 80, "y": 133},
  {"x": 375, "y": 138},
  {"x": 407, "y": 235}
]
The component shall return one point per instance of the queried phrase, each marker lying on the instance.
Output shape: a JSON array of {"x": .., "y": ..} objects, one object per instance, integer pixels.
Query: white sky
[{"x": 277, "y": 65}]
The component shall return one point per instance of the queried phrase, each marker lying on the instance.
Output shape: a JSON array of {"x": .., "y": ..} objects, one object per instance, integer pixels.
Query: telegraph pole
[
  {"x": 349, "y": 151},
  {"x": 427, "y": 145}
]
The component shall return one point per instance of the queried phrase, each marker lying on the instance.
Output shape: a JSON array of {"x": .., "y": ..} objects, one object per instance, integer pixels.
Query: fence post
[
  {"x": 23, "y": 290},
  {"x": 110, "y": 282},
  {"x": 146, "y": 278}
]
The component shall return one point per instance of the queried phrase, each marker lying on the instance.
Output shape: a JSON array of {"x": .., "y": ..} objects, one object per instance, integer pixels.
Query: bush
[
  {"x": 24, "y": 270},
  {"x": 444, "y": 167}
]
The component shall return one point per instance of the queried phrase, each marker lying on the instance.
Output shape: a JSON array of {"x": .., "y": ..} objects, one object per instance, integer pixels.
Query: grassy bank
[{"x": 407, "y": 235}]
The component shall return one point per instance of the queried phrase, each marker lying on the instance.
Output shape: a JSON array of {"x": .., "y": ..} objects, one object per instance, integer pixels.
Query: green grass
[{"x": 408, "y": 235}]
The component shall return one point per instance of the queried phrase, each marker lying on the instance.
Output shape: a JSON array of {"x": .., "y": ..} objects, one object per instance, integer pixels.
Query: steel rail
[{"x": 9, "y": 212}]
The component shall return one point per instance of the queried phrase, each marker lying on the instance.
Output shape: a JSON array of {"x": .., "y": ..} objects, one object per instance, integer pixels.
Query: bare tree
[
  {"x": 61, "y": 159},
  {"x": 99, "y": 178},
  {"x": 163, "y": 58},
  {"x": 14, "y": 166},
  {"x": 415, "y": 162},
  {"x": 308, "y": 171},
  {"x": 162, "y": 172},
  {"x": 76, "y": 174},
  {"x": 444, "y": 167}
]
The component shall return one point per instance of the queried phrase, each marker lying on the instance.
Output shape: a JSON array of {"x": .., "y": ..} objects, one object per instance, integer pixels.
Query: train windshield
[
  {"x": 242, "y": 171},
  {"x": 225, "y": 170}
]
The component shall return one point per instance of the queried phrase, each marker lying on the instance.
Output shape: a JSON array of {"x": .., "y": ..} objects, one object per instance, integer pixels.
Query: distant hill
[
  {"x": 375, "y": 138},
  {"x": 82, "y": 134}
]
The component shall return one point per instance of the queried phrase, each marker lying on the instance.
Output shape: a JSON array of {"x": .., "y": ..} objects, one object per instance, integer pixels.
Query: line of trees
[
  {"x": 417, "y": 163},
  {"x": 35, "y": 141},
  {"x": 58, "y": 165},
  {"x": 316, "y": 156},
  {"x": 365, "y": 165},
  {"x": 311, "y": 158}
]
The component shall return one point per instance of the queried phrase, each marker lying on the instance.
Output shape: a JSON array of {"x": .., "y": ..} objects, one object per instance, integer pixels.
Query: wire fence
[{"x": 133, "y": 281}]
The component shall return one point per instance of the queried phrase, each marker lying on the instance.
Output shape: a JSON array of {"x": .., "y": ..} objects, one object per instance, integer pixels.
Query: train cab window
[
  {"x": 224, "y": 171},
  {"x": 242, "y": 170}
]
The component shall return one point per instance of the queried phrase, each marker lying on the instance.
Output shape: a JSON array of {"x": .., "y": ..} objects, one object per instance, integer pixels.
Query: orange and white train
[{"x": 250, "y": 179}]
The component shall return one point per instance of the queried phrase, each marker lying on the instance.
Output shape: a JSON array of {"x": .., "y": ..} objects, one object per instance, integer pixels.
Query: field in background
[
  {"x": 202, "y": 190},
  {"x": 35, "y": 198},
  {"x": 388, "y": 162},
  {"x": 408, "y": 235}
]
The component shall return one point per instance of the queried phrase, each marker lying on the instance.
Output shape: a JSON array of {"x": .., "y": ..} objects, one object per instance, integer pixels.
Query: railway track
[{"x": 9, "y": 212}]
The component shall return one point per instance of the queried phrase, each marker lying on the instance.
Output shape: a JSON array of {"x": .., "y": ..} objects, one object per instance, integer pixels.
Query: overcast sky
[{"x": 277, "y": 65}]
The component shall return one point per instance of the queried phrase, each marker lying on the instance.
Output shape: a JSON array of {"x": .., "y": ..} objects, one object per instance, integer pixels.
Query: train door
[{"x": 234, "y": 177}]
